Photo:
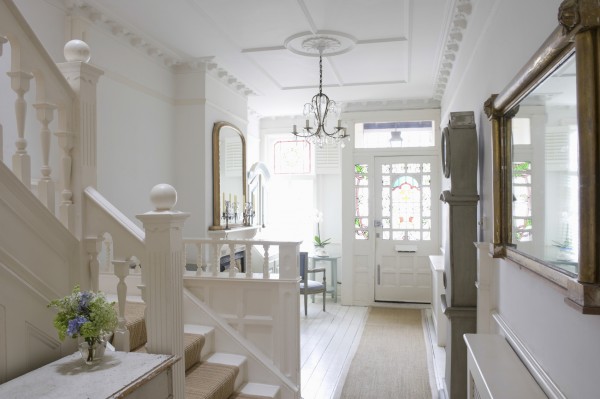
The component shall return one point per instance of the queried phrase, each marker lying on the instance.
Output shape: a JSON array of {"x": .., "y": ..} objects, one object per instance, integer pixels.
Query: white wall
[{"x": 500, "y": 38}]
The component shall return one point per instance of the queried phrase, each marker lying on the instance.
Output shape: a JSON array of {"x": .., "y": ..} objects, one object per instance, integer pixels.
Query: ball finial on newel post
[
  {"x": 77, "y": 50},
  {"x": 163, "y": 197}
]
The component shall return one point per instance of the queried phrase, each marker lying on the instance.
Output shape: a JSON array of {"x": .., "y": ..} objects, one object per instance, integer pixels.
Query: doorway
[{"x": 406, "y": 227}]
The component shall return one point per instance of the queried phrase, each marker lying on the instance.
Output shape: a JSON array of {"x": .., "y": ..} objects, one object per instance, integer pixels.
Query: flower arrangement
[
  {"x": 84, "y": 314},
  {"x": 317, "y": 239}
]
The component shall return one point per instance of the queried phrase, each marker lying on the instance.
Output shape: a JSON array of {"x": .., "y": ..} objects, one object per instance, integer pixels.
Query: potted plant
[
  {"x": 318, "y": 241},
  {"x": 88, "y": 315}
]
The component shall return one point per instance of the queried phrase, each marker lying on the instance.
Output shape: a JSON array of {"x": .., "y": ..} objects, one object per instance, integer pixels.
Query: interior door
[{"x": 406, "y": 227}]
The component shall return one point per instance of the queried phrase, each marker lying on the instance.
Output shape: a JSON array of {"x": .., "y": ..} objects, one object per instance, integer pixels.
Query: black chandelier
[{"x": 321, "y": 110}]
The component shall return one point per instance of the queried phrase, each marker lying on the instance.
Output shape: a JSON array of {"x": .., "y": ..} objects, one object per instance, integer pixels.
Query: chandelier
[{"x": 321, "y": 113}]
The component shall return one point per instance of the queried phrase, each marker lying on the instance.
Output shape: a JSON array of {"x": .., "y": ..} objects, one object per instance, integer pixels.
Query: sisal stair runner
[{"x": 203, "y": 379}]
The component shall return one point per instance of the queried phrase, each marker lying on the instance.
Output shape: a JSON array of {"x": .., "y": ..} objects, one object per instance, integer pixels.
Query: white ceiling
[{"x": 403, "y": 52}]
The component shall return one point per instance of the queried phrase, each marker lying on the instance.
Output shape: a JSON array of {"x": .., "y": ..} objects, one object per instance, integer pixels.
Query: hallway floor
[{"x": 329, "y": 340}]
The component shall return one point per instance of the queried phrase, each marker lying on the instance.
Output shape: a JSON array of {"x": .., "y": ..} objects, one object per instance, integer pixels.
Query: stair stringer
[
  {"x": 40, "y": 261},
  {"x": 226, "y": 339}
]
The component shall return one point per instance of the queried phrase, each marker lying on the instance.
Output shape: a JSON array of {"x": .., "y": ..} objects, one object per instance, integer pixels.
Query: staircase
[{"x": 208, "y": 375}]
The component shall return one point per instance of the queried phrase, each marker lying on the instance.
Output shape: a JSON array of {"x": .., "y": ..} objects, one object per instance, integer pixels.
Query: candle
[
  {"x": 295, "y": 131},
  {"x": 244, "y": 199},
  {"x": 235, "y": 198},
  {"x": 229, "y": 197},
  {"x": 307, "y": 125},
  {"x": 253, "y": 200},
  {"x": 339, "y": 123},
  {"x": 223, "y": 203}
]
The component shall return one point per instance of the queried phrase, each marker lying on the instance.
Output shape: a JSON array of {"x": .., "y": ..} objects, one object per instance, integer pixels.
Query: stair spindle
[
  {"x": 248, "y": 260},
  {"x": 216, "y": 259},
  {"x": 121, "y": 340},
  {"x": 199, "y": 256},
  {"x": 45, "y": 115},
  {"x": 266, "y": 261},
  {"x": 233, "y": 269},
  {"x": 21, "y": 161}
]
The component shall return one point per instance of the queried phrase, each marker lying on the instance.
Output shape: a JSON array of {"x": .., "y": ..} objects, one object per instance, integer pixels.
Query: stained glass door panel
[{"x": 408, "y": 228}]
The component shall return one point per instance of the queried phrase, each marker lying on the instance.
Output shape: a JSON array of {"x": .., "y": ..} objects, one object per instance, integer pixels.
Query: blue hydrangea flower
[
  {"x": 75, "y": 325},
  {"x": 84, "y": 300}
]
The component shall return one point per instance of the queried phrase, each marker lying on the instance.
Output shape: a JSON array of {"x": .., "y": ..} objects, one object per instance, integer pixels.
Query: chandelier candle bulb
[
  {"x": 307, "y": 125},
  {"x": 295, "y": 131}
]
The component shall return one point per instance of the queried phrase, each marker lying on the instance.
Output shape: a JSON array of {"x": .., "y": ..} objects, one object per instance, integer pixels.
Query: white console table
[
  {"x": 118, "y": 374},
  {"x": 436, "y": 262}
]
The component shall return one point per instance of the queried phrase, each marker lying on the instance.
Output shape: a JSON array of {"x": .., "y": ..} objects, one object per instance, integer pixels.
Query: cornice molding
[
  {"x": 159, "y": 53},
  {"x": 454, "y": 36}
]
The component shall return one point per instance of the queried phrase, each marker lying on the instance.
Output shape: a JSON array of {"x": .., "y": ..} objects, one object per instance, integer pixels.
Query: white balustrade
[
  {"x": 209, "y": 253},
  {"x": 93, "y": 246},
  {"x": 46, "y": 194},
  {"x": 21, "y": 165},
  {"x": 121, "y": 339}
]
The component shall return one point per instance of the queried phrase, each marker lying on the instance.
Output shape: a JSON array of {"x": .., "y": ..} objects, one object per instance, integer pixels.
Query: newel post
[
  {"x": 163, "y": 279},
  {"x": 77, "y": 135}
]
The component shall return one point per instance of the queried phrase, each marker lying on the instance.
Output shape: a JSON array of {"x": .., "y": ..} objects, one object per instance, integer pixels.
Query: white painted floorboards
[{"x": 329, "y": 340}]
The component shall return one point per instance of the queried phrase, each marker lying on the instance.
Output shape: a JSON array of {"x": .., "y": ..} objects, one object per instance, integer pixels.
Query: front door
[{"x": 406, "y": 227}]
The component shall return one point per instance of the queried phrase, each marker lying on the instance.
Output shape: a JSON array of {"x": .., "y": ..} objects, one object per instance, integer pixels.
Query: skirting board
[{"x": 528, "y": 360}]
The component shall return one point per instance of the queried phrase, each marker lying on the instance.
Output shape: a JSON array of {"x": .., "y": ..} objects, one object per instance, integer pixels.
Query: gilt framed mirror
[
  {"x": 546, "y": 163},
  {"x": 229, "y": 175}
]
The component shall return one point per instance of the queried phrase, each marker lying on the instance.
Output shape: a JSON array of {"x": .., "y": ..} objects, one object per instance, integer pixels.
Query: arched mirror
[
  {"x": 229, "y": 176},
  {"x": 545, "y": 127}
]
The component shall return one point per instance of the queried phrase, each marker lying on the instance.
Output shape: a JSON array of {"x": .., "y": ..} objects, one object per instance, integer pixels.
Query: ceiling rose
[{"x": 326, "y": 43}]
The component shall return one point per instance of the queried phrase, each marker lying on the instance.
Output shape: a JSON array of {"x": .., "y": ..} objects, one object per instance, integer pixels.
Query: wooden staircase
[{"x": 208, "y": 375}]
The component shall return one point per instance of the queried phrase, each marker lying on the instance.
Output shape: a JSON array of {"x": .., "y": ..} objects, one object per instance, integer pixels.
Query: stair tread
[
  {"x": 210, "y": 381},
  {"x": 192, "y": 344},
  {"x": 256, "y": 390},
  {"x": 226, "y": 359},
  {"x": 198, "y": 329}
]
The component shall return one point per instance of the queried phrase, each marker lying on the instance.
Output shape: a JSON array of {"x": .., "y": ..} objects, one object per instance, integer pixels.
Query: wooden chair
[{"x": 311, "y": 287}]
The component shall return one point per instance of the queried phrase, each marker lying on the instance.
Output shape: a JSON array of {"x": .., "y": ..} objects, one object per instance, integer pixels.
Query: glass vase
[{"x": 92, "y": 350}]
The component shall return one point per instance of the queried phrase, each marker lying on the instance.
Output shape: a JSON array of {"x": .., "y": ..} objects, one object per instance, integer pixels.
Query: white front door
[{"x": 406, "y": 227}]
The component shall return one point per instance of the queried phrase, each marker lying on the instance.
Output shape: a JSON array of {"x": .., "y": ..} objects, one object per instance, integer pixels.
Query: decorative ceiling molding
[
  {"x": 152, "y": 49},
  {"x": 457, "y": 25}
]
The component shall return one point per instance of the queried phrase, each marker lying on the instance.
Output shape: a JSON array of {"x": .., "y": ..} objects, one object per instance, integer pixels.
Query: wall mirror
[
  {"x": 229, "y": 176},
  {"x": 545, "y": 135}
]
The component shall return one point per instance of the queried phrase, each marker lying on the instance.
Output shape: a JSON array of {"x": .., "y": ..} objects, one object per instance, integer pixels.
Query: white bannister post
[
  {"x": 216, "y": 264},
  {"x": 21, "y": 162},
  {"x": 79, "y": 161},
  {"x": 199, "y": 255},
  {"x": 288, "y": 261},
  {"x": 163, "y": 279},
  {"x": 93, "y": 246},
  {"x": 248, "y": 260},
  {"x": 121, "y": 340},
  {"x": 233, "y": 269},
  {"x": 46, "y": 194},
  {"x": 266, "y": 261},
  {"x": 67, "y": 211}
]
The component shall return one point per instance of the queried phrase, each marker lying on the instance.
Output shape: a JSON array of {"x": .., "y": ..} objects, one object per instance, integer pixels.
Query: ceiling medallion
[{"x": 325, "y": 43}]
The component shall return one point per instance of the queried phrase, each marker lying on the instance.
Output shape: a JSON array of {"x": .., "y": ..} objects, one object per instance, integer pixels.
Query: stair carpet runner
[{"x": 206, "y": 379}]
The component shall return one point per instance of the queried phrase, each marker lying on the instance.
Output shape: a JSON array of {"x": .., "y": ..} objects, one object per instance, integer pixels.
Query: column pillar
[{"x": 163, "y": 279}]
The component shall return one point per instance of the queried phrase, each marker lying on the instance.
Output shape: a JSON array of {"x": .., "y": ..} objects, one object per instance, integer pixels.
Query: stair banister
[
  {"x": 162, "y": 276},
  {"x": 21, "y": 161}
]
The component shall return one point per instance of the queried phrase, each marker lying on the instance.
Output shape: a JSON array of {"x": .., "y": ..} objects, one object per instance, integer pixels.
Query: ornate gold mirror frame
[
  {"x": 220, "y": 128},
  {"x": 579, "y": 32}
]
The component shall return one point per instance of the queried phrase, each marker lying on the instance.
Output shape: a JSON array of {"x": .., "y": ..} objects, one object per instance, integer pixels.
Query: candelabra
[
  {"x": 248, "y": 214},
  {"x": 229, "y": 213}
]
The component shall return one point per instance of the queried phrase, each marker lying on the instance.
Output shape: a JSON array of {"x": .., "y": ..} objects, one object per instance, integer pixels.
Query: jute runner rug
[{"x": 391, "y": 359}]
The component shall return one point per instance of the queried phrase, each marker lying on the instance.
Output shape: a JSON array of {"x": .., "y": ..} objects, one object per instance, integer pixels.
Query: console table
[
  {"x": 118, "y": 374},
  {"x": 332, "y": 261}
]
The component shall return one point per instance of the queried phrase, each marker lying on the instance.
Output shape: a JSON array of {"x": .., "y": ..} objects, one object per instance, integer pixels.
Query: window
[
  {"x": 361, "y": 202},
  {"x": 406, "y": 201},
  {"x": 394, "y": 134}
]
